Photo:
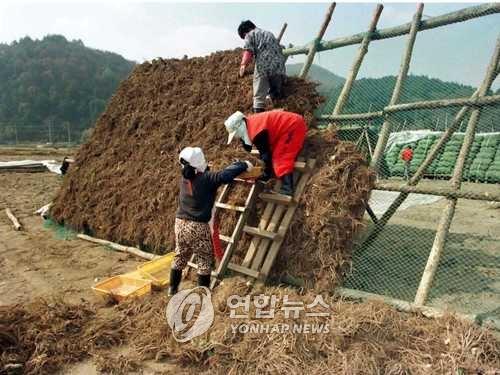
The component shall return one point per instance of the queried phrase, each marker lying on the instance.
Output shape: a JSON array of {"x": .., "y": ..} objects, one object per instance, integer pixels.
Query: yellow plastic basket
[
  {"x": 158, "y": 270},
  {"x": 122, "y": 287}
]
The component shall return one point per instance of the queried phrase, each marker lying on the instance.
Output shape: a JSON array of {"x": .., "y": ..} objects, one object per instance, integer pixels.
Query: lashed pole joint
[{"x": 392, "y": 32}]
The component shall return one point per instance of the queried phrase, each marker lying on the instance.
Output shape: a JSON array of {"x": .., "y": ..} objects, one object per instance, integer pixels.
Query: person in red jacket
[
  {"x": 279, "y": 137},
  {"x": 407, "y": 156}
]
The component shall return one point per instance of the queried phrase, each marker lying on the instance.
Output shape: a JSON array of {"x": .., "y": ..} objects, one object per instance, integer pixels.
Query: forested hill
[
  {"x": 373, "y": 94},
  {"x": 327, "y": 80},
  {"x": 55, "y": 81}
]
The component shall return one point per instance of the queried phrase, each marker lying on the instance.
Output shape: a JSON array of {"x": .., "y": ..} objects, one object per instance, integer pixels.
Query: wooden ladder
[
  {"x": 231, "y": 241},
  {"x": 270, "y": 234}
]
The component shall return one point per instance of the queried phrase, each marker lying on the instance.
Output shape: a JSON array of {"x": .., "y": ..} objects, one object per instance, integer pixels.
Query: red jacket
[
  {"x": 286, "y": 132},
  {"x": 407, "y": 154}
]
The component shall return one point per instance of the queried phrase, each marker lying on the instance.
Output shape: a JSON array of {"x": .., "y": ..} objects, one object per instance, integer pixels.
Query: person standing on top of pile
[
  {"x": 269, "y": 72},
  {"x": 407, "y": 156},
  {"x": 279, "y": 137},
  {"x": 198, "y": 188}
]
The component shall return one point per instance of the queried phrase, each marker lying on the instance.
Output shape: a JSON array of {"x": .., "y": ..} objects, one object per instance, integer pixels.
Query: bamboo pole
[
  {"x": 392, "y": 32},
  {"x": 118, "y": 247},
  {"x": 13, "y": 219},
  {"x": 403, "y": 73},
  {"x": 444, "y": 192},
  {"x": 417, "y": 176},
  {"x": 427, "y": 104},
  {"x": 419, "y": 173},
  {"x": 352, "y": 116},
  {"x": 362, "y": 51},
  {"x": 313, "y": 48},
  {"x": 282, "y": 31},
  {"x": 455, "y": 182},
  {"x": 432, "y": 104}
]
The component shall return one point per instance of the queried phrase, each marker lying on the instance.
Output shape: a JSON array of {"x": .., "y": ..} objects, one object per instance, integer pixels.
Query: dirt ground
[
  {"x": 34, "y": 261},
  {"x": 38, "y": 262}
]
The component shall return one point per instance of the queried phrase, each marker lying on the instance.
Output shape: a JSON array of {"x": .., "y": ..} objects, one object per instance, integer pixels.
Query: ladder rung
[
  {"x": 260, "y": 232},
  {"x": 300, "y": 166},
  {"x": 276, "y": 198},
  {"x": 243, "y": 270},
  {"x": 195, "y": 266},
  {"x": 225, "y": 238},
  {"x": 250, "y": 182},
  {"x": 230, "y": 207}
]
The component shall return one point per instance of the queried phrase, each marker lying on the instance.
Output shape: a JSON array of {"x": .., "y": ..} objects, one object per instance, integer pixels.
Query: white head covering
[
  {"x": 194, "y": 156},
  {"x": 236, "y": 127}
]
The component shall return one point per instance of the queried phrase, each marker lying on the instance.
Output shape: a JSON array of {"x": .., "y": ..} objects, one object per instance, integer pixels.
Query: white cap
[
  {"x": 194, "y": 156},
  {"x": 236, "y": 127}
]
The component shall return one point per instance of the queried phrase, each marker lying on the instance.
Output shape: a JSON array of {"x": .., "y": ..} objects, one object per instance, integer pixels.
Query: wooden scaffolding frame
[{"x": 479, "y": 100}]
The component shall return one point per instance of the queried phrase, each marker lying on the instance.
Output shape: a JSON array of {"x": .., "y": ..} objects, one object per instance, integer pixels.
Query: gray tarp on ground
[{"x": 52, "y": 165}]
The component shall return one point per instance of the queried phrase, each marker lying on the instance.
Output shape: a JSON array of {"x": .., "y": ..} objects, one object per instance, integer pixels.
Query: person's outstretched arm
[
  {"x": 228, "y": 174},
  {"x": 246, "y": 59}
]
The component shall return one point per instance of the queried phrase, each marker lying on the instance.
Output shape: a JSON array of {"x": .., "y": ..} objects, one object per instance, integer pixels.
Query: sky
[{"x": 143, "y": 31}]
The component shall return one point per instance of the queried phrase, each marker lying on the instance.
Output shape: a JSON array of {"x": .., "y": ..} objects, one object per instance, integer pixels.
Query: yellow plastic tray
[
  {"x": 122, "y": 287},
  {"x": 158, "y": 270}
]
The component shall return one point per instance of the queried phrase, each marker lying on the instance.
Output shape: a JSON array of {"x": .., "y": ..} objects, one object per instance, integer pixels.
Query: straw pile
[
  {"x": 362, "y": 339},
  {"x": 318, "y": 249},
  {"x": 42, "y": 336},
  {"x": 366, "y": 338},
  {"x": 124, "y": 184}
]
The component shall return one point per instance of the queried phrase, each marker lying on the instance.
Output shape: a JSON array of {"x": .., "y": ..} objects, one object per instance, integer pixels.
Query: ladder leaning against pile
[{"x": 268, "y": 237}]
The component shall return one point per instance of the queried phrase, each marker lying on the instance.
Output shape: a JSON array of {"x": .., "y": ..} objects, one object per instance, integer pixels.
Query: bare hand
[{"x": 242, "y": 71}]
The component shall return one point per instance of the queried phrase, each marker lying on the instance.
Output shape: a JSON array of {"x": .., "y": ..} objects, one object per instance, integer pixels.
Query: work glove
[{"x": 249, "y": 165}]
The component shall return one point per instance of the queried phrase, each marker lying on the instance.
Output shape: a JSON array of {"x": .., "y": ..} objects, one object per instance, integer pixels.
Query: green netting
[
  {"x": 60, "y": 231},
  {"x": 392, "y": 264}
]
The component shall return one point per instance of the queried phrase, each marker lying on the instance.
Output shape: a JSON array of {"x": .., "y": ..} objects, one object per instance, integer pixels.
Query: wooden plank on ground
[
  {"x": 13, "y": 219},
  {"x": 118, "y": 247}
]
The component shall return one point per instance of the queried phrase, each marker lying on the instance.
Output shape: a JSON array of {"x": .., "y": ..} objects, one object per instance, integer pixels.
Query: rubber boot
[
  {"x": 204, "y": 280},
  {"x": 258, "y": 110},
  {"x": 175, "y": 280},
  {"x": 287, "y": 184}
]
